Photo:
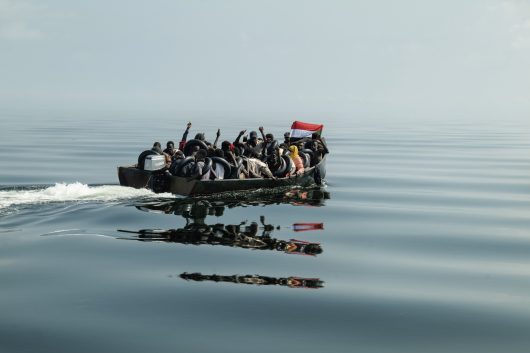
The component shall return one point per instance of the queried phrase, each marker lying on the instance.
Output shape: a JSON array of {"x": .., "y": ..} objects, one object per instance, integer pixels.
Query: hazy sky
[{"x": 415, "y": 58}]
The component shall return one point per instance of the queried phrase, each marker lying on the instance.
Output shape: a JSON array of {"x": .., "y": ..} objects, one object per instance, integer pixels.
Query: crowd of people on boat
[{"x": 248, "y": 156}]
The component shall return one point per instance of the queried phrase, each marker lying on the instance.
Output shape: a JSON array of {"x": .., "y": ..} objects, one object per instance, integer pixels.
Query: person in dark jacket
[
  {"x": 286, "y": 141},
  {"x": 315, "y": 143},
  {"x": 176, "y": 161},
  {"x": 252, "y": 146},
  {"x": 195, "y": 169},
  {"x": 269, "y": 144},
  {"x": 228, "y": 151},
  {"x": 157, "y": 147}
]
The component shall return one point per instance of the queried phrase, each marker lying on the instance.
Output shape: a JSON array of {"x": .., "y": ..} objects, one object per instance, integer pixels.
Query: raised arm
[
  {"x": 216, "y": 138},
  {"x": 262, "y": 133},
  {"x": 241, "y": 133},
  {"x": 182, "y": 142}
]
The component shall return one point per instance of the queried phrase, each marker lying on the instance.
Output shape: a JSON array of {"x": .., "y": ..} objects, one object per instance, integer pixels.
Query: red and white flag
[{"x": 299, "y": 129}]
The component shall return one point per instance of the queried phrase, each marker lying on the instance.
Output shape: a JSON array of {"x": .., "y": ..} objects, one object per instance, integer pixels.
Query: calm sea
[{"x": 424, "y": 231}]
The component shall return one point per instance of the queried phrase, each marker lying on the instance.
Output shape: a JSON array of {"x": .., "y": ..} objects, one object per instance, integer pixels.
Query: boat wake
[{"x": 63, "y": 192}]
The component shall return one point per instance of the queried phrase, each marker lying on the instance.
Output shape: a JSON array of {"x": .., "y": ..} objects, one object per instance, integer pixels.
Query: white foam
[{"x": 62, "y": 192}]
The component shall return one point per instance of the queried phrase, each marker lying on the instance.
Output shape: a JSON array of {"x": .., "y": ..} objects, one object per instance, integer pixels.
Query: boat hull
[{"x": 161, "y": 182}]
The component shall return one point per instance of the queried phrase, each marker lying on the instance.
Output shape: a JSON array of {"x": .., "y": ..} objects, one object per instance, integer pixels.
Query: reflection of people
[
  {"x": 234, "y": 235},
  {"x": 182, "y": 206},
  {"x": 291, "y": 282}
]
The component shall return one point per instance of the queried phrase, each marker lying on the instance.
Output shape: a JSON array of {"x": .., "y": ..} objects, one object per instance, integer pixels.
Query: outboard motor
[
  {"x": 159, "y": 182},
  {"x": 143, "y": 156},
  {"x": 154, "y": 162}
]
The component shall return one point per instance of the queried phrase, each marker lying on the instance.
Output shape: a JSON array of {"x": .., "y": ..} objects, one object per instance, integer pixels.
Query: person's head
[
  {"x": 287, "y": 136},
  {"x": 219, "y": 153},
  {"x": 200, "y": 136},
  {"x": 225, "y": 145},
  {"x": 315, "y": 135},
  {"x": 253, "y": 228},
  {"x": 269, "y": 137},
  {"x": 157, "y": 148},
  {"x": 200, "y": 155},
  {"x": 194, "y": 150},
  {"x": 253, "y": 135},
  {"x": 219, "y": 212},
  {"x": 179, "y": 154},
  {"x": 294, "y": 151},
  {"x": 272, "y": 160},
  {"x": 170, "y": 145}
]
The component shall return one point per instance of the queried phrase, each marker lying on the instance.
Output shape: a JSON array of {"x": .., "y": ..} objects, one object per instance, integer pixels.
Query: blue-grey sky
[{"x": 376, "y": 57}]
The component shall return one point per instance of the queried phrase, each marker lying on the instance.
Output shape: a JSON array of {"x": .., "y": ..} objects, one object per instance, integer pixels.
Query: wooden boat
[{"x": 162, "y": 182}]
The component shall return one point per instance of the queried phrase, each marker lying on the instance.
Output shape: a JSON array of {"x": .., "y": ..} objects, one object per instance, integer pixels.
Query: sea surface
[{"x": 418, "y": 242}]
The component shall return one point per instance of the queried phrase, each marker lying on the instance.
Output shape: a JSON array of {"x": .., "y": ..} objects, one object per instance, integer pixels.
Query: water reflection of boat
[
  {"x": 202, "y": 207},
  {"x": 197, "y": 232},
  {"x": 292, "y": 282},
  {"x": 232, "y": 235}
]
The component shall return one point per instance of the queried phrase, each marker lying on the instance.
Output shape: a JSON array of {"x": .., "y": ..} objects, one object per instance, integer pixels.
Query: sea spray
[{"x": 63, "y": 192}]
